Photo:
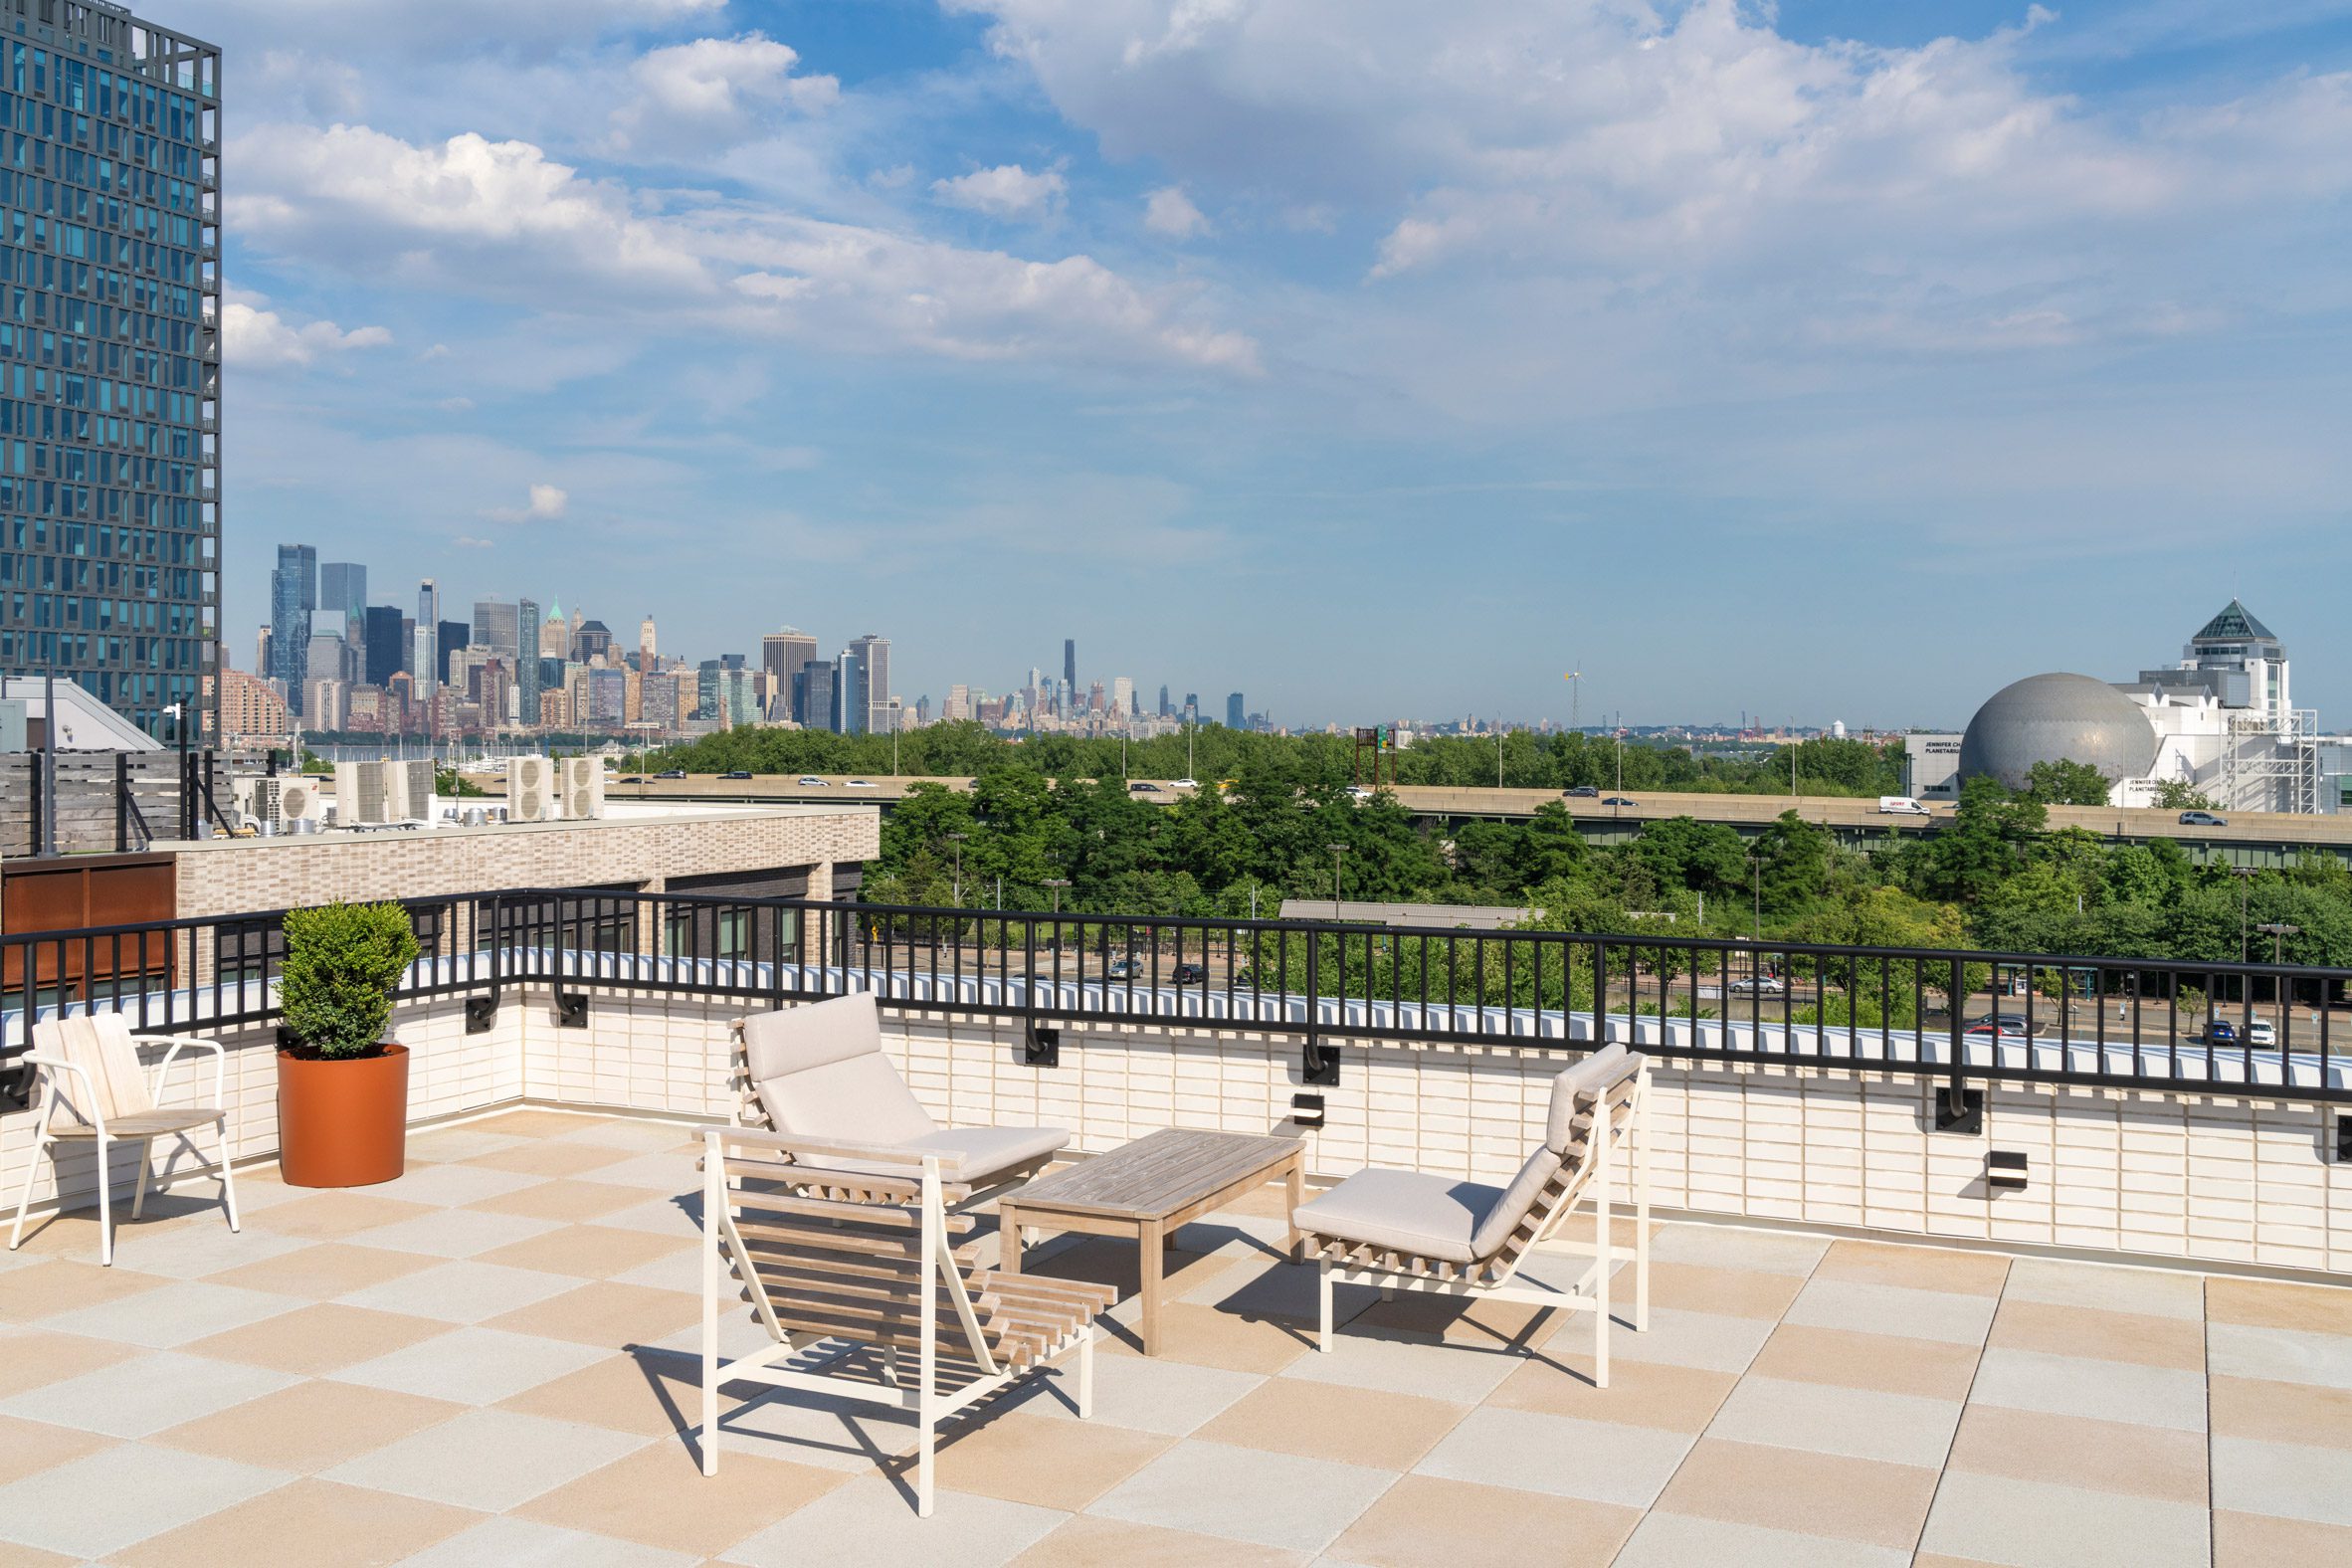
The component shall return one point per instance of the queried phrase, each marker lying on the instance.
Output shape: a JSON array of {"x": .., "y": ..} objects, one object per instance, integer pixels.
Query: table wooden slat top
[{"x": 1157, "y": 1175}]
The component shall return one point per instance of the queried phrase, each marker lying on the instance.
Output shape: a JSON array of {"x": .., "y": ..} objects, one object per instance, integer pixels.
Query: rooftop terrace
[{"x": 492, "y": 1360}]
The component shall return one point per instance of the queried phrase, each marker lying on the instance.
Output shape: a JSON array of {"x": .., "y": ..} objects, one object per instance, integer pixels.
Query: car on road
[
  {"x": 1359, "y": 792},
  {"x": 1620, "y": 800},
  {"x": 1758, "y": 985},
  {"x": 2220, "y": 1032},
  {"x": 2261, "y": 1033},
  {"x": 2203, "y": 819},
  {"x": 631, "y": 779},
  {"x": 858, "y": 784},
  {"x": 811, "y": 781},
  {"x": 670, "y": 773},
  {"x": 1581, "y": 791},
  {"x": 1125, "y": 968},
  {"x": 1190, "y": 974},
  {"x": 1143, "y": 787},
  {"x": 737, "y": 773},
  {"x": 1187, "y": 783},
  {"x": 2008, "y": 1028}
]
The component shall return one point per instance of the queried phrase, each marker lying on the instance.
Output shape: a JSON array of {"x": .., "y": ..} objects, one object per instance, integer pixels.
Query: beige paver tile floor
[{"x": 490, "y": 1362}]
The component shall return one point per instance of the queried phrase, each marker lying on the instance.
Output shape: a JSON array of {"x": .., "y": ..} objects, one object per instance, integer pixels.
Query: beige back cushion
[
  {"x": 1590, "y": 1079},
  {"x": 820, "y": 1073},
  {"x": 100, "y": 1044}
]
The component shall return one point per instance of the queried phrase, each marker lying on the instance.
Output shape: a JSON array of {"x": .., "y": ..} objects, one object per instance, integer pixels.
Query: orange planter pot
[{"x": 343, "y": 1124}]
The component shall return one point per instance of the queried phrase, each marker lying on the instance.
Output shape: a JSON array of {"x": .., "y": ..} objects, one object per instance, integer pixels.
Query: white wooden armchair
[
  {"x": 93, "y": 1091},
  {"x": 843, "y": 1250}
]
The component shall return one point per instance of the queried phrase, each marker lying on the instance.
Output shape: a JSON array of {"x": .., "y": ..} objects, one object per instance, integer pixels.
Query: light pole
[
  {"x": 1056, "y": 883},
  {"x": 2280, "y": 932},
  {"x": 1756, "y": 864},
  {"x": 1338, "y": 850},
  {"x": 2244, "y": 874},
  {"x": 959, "y": 840}
]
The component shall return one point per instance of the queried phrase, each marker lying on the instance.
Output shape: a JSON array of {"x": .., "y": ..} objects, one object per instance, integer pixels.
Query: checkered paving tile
[{"x": 492, "y": 1361}]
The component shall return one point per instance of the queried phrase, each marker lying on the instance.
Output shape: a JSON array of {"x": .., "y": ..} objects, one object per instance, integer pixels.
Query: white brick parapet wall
[{"x": 2197, "y": 1177}]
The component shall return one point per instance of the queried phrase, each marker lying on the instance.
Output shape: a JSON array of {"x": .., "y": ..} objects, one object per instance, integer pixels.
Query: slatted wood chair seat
[
  {"x": 93, "y": 1091},
  {"x": 1406, "y": 1230},
  {"x": 848, "y": 1248}
]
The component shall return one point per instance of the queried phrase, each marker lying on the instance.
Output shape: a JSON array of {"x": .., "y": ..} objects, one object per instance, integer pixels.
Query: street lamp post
[
  {"x": 1756, "y": 864},
  {"x": 1056, "y": 883},
  {"x": 1338, "y": 850},
  {"x": 2244, "y": 874},
  {"x": 959, "y": 840}
]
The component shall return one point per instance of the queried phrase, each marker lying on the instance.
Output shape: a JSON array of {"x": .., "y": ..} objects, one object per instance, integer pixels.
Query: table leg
[
  {"x": 1008, "y": 1237},
  {"x": 1152, "y": 1243},
  {"x": 1295, "y": 1179}
]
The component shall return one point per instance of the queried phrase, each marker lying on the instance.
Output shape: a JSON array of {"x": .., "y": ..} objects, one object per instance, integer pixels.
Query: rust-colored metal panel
[{"x": 78, "y": 892}]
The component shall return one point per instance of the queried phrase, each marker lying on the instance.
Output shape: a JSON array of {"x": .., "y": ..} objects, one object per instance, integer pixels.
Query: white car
[
  {"x": 1759, "y": 985},
  {"x": 811, "y": 781},
  {"x": 1359, "y": 792},
  {"x": 860, "y": 784},
  {"x": 2261, "y": 1033},
  {"x": 1185, "y": 783}
]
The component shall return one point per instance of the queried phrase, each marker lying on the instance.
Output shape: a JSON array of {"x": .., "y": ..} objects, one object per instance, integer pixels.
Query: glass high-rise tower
[{"x": 109, "y": 356}]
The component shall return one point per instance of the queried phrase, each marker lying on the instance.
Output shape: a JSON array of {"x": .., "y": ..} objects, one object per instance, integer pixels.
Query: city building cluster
[{"x": 329, "y": 662}]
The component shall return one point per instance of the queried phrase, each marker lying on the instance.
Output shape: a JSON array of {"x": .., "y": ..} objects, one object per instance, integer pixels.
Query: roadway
[{"x": 2250, "y": 838}]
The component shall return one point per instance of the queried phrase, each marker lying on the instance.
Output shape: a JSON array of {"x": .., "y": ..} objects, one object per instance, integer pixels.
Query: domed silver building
[{"x": 2052, "y": 719}]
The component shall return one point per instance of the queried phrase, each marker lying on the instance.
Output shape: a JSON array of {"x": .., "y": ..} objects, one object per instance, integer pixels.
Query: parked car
[
  {"x": 1190, "y": 974},
  {"x": 1188, "y": 783},
  {"x": 2261, "y": 1033},
  {"x": 1620, "y": 800},
  {"x": 2220, "y": 1032},
  {"x": 1143, "y": 787},
  {"x": 1122, "y": 968},
  {"x": 670, "y": 773},
  {"x": 632, "y": 779},
  {"x": 2203, "y": 819},
  {"x": 1359, "y": 792},
  {"x": 2008, "y": 1028},
  {"x": 1581, "y": 791},
  {"x": 811, "y": 781},
  {"x": 1757, "y": 985},
  {"x": 737, "y": 773},
  {"x": 858, "y": 784}
]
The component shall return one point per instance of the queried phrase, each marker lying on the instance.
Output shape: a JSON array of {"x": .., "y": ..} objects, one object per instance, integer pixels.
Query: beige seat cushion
[
  {"x": 989, "y": 1152},
  {"x": 1425, "y": 1216}
]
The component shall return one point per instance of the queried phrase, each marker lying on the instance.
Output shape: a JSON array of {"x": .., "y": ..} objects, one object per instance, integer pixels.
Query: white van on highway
[{"x": 1900, "y": 806}]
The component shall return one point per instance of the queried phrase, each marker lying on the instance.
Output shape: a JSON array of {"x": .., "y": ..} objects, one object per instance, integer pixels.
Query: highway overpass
[{"x": 2250, "y": 838}]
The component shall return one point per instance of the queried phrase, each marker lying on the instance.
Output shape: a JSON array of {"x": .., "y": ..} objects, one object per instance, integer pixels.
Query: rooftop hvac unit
[
  {"x": 416, "y": 793},
  {"x": 379, "y": 794},
  {"x": 530, "y": 789},
  {"x": 583, "y": 788},
  {"x": 277, "y": 803}
]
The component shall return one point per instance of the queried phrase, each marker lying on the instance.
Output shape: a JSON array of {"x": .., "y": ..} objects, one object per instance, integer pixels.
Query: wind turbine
[{"x": 1575, "y": 679}]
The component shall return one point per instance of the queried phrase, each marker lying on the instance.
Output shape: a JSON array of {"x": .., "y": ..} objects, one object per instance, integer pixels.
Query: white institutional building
[{"x": 2222, "y": 722}]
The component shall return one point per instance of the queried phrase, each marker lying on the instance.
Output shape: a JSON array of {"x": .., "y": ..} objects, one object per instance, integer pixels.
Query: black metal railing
[{"x": 1960, "y": 1016}]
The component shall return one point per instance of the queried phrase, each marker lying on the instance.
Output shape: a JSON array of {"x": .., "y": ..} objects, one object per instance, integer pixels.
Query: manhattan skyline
[{"x": 1293, "y": 397}]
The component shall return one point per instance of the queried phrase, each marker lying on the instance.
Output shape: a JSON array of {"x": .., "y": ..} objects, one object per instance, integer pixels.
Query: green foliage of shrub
[{"x": 335, "y": 987}]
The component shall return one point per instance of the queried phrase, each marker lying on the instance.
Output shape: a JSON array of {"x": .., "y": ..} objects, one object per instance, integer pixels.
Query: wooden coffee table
[{"x": 1145, "y": 1190}]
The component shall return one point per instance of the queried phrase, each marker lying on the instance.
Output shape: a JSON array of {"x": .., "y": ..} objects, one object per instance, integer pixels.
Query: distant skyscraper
[
  {"x": 385, "y": 655},
  {"x": 645, "y": 654},
  {"x": 555, "y": 635},
  {"x": 453, "y": 639},
  {"x": 294, "y": 594},
  {"x": 424, "y": 657},
  {"x": 1167, "y": 709},
  {"x": 867, "y": 693},
  {"x": 526, "y": 663},
  {"x": 590, "y": 638},
  {"x": 781, "y": 654},
  {"x": 342, "y": 590},
  {"x": 111, "y": 497},
  {"x": 1070, "y": 664},
  {"x": 1122, "y": 696},
  {"x": 1192, "y": 707},
  {"x": 813, "y": 703},
  {"x": 1237, "y": 715},
  {"x": 497, "y": 627}
]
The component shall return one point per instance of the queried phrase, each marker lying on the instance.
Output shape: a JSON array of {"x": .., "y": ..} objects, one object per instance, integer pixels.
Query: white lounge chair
[
  {"x": 1405, "y": 1231},
  {"x": 842, "y": 1249},
  {"x": 93, "y": 1091},
  {"x": 818, "y": 1071}
]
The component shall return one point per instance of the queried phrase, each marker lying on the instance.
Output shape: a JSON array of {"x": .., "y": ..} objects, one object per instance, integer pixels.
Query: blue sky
[{"x": 1378, "y": 358}]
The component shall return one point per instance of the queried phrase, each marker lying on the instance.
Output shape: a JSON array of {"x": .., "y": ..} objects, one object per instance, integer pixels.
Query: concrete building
[
  {"x": 782, "y": 654},
  {"x": 251, "y": 709},
  {"x": 110, "y": 575}
]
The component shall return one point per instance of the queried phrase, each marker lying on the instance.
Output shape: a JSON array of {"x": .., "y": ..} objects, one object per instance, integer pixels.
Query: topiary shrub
[{"x": 335, "y": 986}]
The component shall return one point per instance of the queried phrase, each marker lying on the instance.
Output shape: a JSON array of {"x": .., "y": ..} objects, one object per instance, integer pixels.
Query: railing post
[
  {"x": 1319, "y": 1064},
  {"x": 121, "y": 802}
]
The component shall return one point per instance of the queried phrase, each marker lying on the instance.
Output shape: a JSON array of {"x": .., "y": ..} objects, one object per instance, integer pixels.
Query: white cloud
[
  {"x": 504, "y": 221},
  {"x": 548, "y": 503},
  {"x": 1170, "y": 212},
  {"x": 1007, "y": 191},
  {"x": 715, "y": 91},
  {"x": 255, "y": 339},
  {"x": 467, "y": 541}
]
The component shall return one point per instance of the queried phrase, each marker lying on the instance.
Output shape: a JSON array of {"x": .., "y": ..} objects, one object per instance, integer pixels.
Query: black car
[
  {"x": 737, "y": 773},
  {"x": 1583, "y": 792},
  {"x": 1191, "y": 974},
  {"x": 670, "y": 773},
  {"x": 1139, "y": 787},
  {"x": 1620, "y": 800}
]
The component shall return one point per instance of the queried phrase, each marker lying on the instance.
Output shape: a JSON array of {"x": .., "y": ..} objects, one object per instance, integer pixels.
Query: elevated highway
[{"x": 2255, "y": 839}]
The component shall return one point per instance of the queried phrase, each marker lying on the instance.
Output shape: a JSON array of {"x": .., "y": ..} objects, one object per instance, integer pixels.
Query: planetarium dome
[{"x": 2052, "y": 719}]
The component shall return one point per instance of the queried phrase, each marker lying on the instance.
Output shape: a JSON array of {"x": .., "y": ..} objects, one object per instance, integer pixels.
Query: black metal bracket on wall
[
  {"x": 16, "y": 1087},
  {"x": 1040, "y": 1046},
  {"x": 1959, "y": 1108},
  {"x": 1319, "y": 1064},
  {"x": 481, "y": 1012},
  {"x": 571, "y": 1010}
]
